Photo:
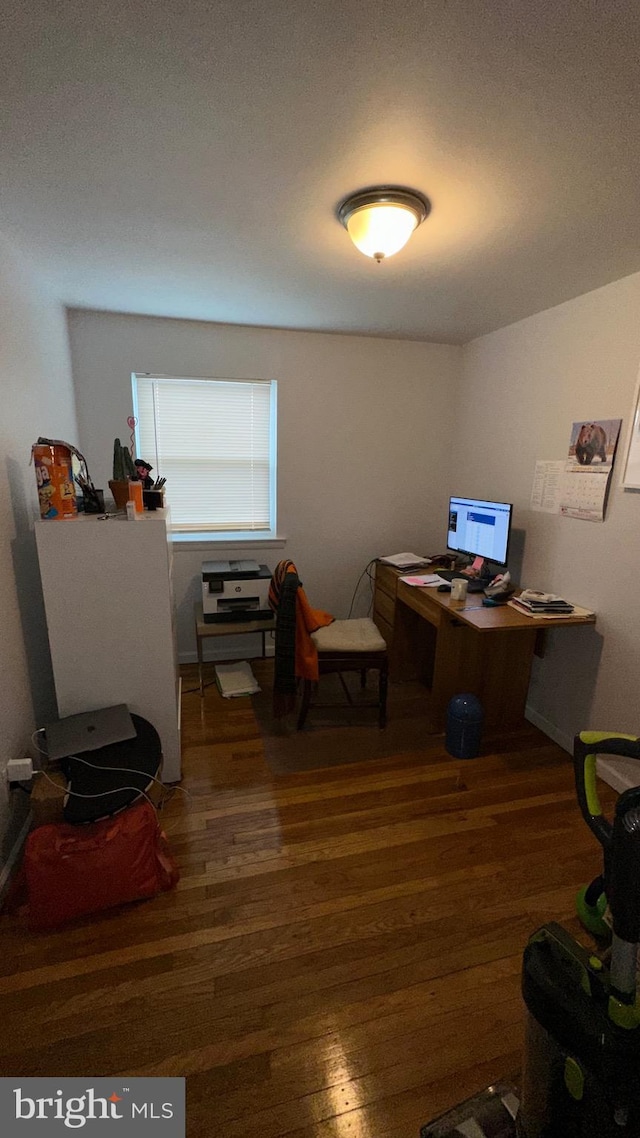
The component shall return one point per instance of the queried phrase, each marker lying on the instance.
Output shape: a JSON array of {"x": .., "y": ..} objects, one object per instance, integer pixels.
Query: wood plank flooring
[{"x": 342, "y": 954}]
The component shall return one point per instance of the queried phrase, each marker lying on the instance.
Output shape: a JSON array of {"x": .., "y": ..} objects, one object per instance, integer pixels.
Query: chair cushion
[{"x": 349, "y": 636}]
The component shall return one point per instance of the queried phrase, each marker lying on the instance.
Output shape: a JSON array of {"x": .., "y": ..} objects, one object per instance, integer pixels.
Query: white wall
[
  {"x": 37, "y": 399},
  {"x": 373, "y": 435},
  {"x": 364, "y": 437},
  {"x": 523, "y": 387}
]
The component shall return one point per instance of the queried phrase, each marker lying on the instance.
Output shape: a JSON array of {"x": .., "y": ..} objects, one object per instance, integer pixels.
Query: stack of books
[{"x": 537, "y": 604}]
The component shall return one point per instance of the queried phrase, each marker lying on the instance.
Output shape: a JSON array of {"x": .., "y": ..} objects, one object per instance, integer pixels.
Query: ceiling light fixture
[{"x": 380, "y": 220}]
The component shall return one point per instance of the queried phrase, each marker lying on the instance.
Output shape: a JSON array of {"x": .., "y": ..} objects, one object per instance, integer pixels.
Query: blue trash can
[{"x": 464, "y": 726}]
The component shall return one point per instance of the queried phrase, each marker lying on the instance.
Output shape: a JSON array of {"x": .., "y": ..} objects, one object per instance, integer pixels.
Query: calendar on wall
[
  {"x": 583, "y": 497},
  {"x": 577, "y": 487},
  {"x": 592, "y": 449}
]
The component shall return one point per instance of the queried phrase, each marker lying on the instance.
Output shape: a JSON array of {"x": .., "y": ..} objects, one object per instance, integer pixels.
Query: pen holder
[
  {"x": 153, "y": 499},
  {"x": 93, "y": 501}
]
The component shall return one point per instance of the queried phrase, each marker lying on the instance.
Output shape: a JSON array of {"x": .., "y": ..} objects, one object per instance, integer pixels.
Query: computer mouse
[{"x": 444, "y": 588}]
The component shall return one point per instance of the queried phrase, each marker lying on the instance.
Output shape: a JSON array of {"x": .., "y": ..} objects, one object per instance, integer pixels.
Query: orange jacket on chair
[{"x": 296, "y": 654}]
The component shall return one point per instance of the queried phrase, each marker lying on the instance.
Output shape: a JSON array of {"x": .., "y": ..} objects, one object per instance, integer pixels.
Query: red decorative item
[
  {"x": 132, "y": 423},
  {"x": 71, "y": 871}
]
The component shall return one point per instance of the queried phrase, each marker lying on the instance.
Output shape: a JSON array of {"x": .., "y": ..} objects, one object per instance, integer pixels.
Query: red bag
[{"x": 74, "y": 870}]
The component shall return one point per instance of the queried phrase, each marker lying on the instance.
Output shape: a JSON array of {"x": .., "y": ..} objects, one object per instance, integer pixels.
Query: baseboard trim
[
  {"x": 560, "y": 737},
  {"x": 619, "y": 772},
  {"x": 219, "y": 656}
]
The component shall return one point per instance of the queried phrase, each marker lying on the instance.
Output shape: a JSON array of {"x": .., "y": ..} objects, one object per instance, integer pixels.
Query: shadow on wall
[
  {"x": 516, "y": 555},
  {"x": 185, "y": 617},
  {"x": 30, "y": 599},
  {"x": 563, "y": 684}
]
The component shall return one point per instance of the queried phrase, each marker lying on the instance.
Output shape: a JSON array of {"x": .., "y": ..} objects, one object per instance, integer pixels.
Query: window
[{"x": 214, "y": 440}]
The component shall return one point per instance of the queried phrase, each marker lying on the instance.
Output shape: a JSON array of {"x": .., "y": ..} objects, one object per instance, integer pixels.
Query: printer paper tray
[{"x": 238, "y": 617}]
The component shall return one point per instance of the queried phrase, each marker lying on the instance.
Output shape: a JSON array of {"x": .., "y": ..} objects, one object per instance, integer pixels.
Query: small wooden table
[{"x": 226, "y": 628}]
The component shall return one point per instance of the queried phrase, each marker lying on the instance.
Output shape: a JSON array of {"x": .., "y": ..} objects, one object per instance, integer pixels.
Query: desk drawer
[
  {"x": 422, "y": 602},
  {"x": 386, "y": 579},
  {"x": 384, "y": 607},
  {"x": 384, "y": 628}
]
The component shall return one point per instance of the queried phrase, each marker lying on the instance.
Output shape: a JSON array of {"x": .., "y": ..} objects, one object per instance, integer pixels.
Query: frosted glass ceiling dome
[{"x": 380, "y": 220}]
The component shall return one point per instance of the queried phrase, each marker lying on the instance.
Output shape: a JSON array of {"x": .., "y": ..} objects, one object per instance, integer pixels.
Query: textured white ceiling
[{"x": 186, "y": 159}]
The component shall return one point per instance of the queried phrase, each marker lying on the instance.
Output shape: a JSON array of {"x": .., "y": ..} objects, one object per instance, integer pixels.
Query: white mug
[{"x": 459, "y": 589}]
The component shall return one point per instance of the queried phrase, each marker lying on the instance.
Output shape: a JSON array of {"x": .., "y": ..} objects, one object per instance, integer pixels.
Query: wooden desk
[
  {"x": 454, "y": 647},
  {"x": 226, "y": 628}
]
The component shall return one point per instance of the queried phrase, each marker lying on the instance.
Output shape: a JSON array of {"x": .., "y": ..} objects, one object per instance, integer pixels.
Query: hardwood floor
[{"x": 342, "y": 954}]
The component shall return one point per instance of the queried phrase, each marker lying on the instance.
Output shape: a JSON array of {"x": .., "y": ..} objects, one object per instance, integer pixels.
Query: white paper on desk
[{"x": 429, "y": 580}]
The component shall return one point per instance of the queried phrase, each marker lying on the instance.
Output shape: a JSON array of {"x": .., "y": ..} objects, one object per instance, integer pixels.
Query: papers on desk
[
  {"x": 536, "y": 602},
  {"x": 427, "y": 580},
  {"x": 404, "y": 560}
]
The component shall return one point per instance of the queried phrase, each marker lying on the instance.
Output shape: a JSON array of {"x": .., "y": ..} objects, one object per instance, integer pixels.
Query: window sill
[{"x": 226, "y": 541}]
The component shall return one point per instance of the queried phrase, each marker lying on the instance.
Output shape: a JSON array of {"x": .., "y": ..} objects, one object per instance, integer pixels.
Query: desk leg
[
  {"x": 495, "y": 666},
  {"x": 199, "y": 647},
  {"x": 454, "y": 658}
]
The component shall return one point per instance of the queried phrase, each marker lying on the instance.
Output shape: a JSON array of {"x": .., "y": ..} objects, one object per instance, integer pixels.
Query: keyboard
[{"x": 474, "y": 584}]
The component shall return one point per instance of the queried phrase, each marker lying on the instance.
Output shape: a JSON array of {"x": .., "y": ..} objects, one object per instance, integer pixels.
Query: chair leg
[
  {"x": 345, "y": 689},
  {"x": 382, "y": 689},
  {"x": 306, "y": 703}
]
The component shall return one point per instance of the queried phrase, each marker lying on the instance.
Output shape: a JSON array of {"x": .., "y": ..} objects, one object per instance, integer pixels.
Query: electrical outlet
[{"x": 20, "y": 770}]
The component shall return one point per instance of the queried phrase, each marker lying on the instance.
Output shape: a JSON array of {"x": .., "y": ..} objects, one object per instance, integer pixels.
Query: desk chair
[
  {"x": 350, "y": 646},
  {"x": 341, "y": 645}
]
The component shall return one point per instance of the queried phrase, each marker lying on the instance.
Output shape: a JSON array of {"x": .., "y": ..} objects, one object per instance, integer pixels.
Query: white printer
[{"x": 235, "y": 590}]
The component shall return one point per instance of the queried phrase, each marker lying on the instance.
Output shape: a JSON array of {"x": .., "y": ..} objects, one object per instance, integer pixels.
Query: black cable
[
  {"x": 365, "y": 571},
  {"x": 190, "y": 691}
]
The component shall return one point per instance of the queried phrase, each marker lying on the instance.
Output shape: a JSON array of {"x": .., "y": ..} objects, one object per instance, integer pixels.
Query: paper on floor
[{"x": 236, "y": 679}]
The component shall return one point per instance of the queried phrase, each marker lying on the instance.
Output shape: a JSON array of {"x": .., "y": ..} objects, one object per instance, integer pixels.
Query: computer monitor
[{"x": 480, "y": 529}]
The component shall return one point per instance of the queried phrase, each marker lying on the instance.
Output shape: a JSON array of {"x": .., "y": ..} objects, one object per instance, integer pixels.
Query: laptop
[{"x": 89, "y": 730}]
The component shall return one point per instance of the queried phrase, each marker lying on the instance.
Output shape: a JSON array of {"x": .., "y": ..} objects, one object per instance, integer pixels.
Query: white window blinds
[{"x": 214, "y": 442}]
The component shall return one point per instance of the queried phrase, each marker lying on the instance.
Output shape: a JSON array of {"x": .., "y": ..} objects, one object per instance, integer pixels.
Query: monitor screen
[{"x": 480, "y": 528}]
